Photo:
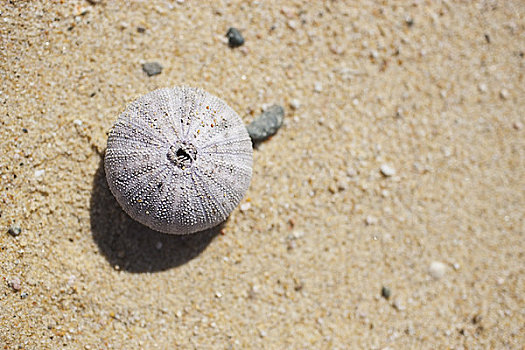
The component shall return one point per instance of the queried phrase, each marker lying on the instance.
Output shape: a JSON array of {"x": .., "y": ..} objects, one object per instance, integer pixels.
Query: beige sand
[{"x": 433, "y": 89}]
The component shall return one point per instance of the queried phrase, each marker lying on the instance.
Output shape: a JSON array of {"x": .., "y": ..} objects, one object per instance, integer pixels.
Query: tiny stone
[
  {"x": 141, "y": 30},
  {"x": 15, "y": 284},
  {"x": 158, "y": 245},
  {"x": 245, "y": 206},
  {"x": 398, "y": 305},
  {"x": 296, "y": 234},
  {"x": 235, "y": 38},
  {"x": 482, "y": 87},
  {"x": 295, "y": 104},
  {"x": 351, "y": 172},
  {"x": 409, "y": 21},
  {"x": 385, "y": 292},
  {"x": 437, "y": 269},
  {"x": 152, "y": 68},
  {"x": 14, "y": 230},
  {"x": 504, "y": 94},
  {"x": 517, "y": 125},
  {"x": 292, "y": 24},
  {"x": 318, "y": 87},
  {"x": 23, "y": 295},
  {"x": 39, "y": 173},
  {"x": 266, "y": 124},
  {"x": 387, "y": 170},
  {"x": 371, "y": 220},
  {"x": 218, "y": 294},
  {"x": 24, "y": 130},
  {"x": 399, "y": 112},
  {"x": 336, "y": 49}
]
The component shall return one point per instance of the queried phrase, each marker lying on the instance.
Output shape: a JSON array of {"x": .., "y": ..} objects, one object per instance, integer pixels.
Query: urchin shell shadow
[{"x": 133, "y": 246}]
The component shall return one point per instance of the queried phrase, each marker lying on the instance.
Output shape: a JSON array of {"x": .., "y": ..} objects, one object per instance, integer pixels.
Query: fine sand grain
[{"x": 386, "y": 213}]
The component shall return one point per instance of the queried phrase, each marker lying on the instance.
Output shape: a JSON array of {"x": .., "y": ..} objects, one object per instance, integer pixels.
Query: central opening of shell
[{"x": 182, "y": 155}]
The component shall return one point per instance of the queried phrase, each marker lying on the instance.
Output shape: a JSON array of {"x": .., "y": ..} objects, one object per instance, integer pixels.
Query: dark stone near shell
[
  {"x": 235, "y": 38},
  {"x": 152, "y": 68},
  {"x": 266, "y": 124},
  {"x": 385, "y": 292}
]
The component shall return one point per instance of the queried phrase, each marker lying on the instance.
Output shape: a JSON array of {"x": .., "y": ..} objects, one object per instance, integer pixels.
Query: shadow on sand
[{"x": 133, "y": 246}]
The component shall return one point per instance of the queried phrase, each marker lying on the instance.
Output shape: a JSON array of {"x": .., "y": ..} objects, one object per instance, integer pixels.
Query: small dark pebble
[
  {"x": 476, "y": 319},
  {"x": 23, "y": 295},
  {"x": 235, "y": 38},
  {"x": 92, "y": 94},
  {"x": 141, "y": 30},
  {"x": 152, "y": 68},
  {"x": 14, "y": 231},
  {"x": 24, "y": 130},
  {"x": 266, "y": 124},
  {"x": 487, "y": 38},
  {"x": 385, "y": 292}
]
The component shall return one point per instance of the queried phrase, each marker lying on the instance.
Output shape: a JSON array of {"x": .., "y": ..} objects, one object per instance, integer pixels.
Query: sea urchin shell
[{"x": 178, "y": 160}]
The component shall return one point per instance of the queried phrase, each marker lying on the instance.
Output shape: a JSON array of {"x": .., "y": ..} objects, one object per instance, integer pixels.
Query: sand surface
[{"x": 432, "y": 92}]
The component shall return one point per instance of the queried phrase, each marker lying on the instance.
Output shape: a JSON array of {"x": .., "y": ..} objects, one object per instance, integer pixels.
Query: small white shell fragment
[
  {"x": 387, "y": 170},
  {"x": 437, "y": 269}
]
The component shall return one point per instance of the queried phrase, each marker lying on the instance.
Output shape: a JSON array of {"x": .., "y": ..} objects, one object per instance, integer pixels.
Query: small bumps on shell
[{"x": 178, "y": 160}]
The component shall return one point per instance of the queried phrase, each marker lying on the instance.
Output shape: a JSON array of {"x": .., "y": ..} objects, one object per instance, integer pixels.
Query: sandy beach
[{"x": 386, "y": 213}]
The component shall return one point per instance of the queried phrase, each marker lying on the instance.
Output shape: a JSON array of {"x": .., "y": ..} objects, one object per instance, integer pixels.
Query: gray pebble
[
  {"x": 23, "y": 295},
  {"x": 152, "y": 68},
  {"x": 266, "y": 124},
  {"x": 14, "y": 230},
  {"x": 385, "y": 292},
  {"x": 235, "y": 38}
]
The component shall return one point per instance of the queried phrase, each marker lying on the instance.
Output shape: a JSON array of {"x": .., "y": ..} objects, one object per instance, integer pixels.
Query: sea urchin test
[{"x": 178, "y": 160}]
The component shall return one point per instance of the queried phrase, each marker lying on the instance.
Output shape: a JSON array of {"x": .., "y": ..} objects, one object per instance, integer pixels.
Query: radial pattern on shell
[{"x": 178, "y": 160}]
